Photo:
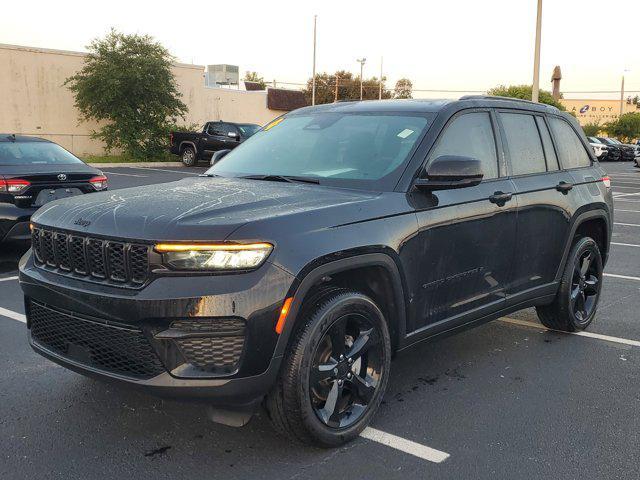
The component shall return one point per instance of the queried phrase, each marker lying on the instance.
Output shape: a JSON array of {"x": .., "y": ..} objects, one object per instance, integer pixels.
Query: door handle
[
  {"x": 500, "y": 198},
  {"x": 564, "y": 187}
]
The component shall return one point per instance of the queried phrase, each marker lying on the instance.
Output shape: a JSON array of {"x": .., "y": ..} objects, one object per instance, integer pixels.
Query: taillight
[
  {"x": 171, "y": 139},
  {"x": 606, "y": 181},
  {"x": 14, "y": 185},
  {"x": 99, "y": 182}
]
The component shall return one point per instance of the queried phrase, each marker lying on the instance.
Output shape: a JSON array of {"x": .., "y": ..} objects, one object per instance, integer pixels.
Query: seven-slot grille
[
  {"x": 93, "y": 342},
  {"x": 119, "y": 263}
]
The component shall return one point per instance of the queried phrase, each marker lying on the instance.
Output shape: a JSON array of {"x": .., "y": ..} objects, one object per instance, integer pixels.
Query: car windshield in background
[
  {"x": 35, "y": 153},
  {"x": 355, "y": 150},
  {"x": 594, "y": 140},
  {"x": 248, "y": 129}
]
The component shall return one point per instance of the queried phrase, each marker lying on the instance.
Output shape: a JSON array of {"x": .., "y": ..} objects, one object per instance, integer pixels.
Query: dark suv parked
[{"x": 337, "y": 235}]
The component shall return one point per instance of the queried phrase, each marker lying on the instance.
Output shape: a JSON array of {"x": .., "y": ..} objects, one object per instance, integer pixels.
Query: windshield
[
  {"x": 354, "y": 150},
  {"x": 607, "y": 141},
  {"x": 594, "y": 140},
  {"x": 35, "y": 153},
  {"x": 616, "y": 141},
  {"x": 248, "y": 129}
]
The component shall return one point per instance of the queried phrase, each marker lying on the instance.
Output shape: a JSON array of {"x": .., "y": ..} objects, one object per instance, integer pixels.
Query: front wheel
[
  {"x": 576, "y": 302},
  {"x": 335, "y": 373}
]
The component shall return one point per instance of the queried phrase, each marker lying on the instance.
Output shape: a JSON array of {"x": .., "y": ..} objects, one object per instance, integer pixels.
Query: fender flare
[
  {"x": 188, "y": 142},
  {"x": 300, "y": 290},
  {"x": 577, "y": 221}
]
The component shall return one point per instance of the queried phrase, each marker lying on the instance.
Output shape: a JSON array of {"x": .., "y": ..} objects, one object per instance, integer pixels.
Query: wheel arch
[
  {"x": 586, "y": 222},
  {"x": 346, "y": 268},
  {"x": 189, "y": 143}
]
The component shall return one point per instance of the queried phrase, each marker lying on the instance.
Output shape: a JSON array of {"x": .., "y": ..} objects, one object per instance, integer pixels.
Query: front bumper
[{"x": 151, "y": 314}]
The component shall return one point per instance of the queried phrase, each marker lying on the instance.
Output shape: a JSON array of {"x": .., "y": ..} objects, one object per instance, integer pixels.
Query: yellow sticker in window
[{"x": 277, "y": 121}]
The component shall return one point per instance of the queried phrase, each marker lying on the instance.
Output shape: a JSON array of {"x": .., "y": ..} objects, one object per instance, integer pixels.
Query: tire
[
  {"x": 576, "y": 302},
  {"x": 326, "y": 402},
  {"x": 188, "y": 156}
]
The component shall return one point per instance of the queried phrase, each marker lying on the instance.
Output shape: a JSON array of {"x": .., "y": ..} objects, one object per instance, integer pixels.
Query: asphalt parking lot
[{"x": 506, "y": 400}]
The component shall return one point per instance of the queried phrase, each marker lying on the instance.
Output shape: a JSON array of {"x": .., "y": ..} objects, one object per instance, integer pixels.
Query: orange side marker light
[{"x": 283, "y": 315}]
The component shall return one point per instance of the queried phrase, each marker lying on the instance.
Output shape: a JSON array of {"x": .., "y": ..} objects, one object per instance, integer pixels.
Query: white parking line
[
  {"x": 625, "y": 244},
  {"x": 597, "y": 336},
  {"x": 163, "y": 170},
  {"x": 626, "y": 277},
  {"x": 404, "y": 445},
  {"x": 627, "y": 224},
  {"x": 125, "y": 174},
  {"x": 615, "y": 185},
  {"x": 628, "y": 201},
  {"x": 628, "y": 211},
  {"x": 13, "y": 315},
  {"x": 6, "y": 279}
]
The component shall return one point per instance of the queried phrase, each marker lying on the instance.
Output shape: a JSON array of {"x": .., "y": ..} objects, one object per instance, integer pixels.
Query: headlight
[{"x": 198, "y": 256}]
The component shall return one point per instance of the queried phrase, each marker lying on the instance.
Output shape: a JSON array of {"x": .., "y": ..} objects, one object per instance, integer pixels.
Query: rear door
[
  {"x": 545, "y": 200},
  {"x": 466, "y": 236}
]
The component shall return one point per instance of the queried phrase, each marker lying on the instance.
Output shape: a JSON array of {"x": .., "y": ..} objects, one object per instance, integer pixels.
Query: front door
[{"x": 467, "y": 236}]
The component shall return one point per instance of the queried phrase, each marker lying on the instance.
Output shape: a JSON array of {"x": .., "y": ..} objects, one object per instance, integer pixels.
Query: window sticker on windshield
[
  {"x": 273, "y": 124},
  {"x": 405, "y": 133}
]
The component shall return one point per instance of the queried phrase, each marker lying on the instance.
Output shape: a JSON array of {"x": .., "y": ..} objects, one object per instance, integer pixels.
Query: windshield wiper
[
  {"x": 208, "y": 175},
  {"x": 283, "y": 178}
]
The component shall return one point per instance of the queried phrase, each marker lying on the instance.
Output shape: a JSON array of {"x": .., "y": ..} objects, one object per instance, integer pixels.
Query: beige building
[
  {"x": 36, "y": 102},
  {"x": 597, "y": 111}
]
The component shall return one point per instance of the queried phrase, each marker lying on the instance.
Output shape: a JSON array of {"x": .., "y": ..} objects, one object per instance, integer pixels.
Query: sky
[{"x": 452, "y": 45}]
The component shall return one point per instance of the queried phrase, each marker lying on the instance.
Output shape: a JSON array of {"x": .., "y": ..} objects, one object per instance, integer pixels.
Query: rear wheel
[
  {"x": 335, "y": 373},
  {"x": 188, "y": 156},
  {"x": 576, "y": 302}
]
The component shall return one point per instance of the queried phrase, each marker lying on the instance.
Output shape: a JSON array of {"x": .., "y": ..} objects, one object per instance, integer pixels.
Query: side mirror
[
  {"x": 451, "y": 171},
  {"x": 233, "y": 135},
  {"x": 217, "y": 156}
]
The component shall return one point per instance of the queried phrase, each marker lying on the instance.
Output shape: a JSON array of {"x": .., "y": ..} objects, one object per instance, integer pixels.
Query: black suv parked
[{"x": 294, "y": 268}]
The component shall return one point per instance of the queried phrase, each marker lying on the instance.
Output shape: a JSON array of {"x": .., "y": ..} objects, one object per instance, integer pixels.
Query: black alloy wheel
[
  {"x": 335, "y": 371},
  {"x": 576, "y": 302},
  {"x": 346, "y": 370},
  {"x": 585, "y": 286}
]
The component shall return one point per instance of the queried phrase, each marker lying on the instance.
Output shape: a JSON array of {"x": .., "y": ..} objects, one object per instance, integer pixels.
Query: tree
[
  {"x": 348, "y": 88},
  {"x": 626, "y": 127},
  {"x": 592, "y": 129},
  {"x": 127, "y": 84},
  {"x": 255, "y": 78},
  {"x": 404, "y": 88},
  {"x": 524, "y": 92}
]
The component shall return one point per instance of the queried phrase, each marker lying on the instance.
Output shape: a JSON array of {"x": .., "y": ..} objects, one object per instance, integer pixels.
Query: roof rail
[{"x": 497, "y": 97}]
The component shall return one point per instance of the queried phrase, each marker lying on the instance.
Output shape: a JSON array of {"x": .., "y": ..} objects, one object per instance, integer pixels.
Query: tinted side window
[
  {"x": 470, "y": 135},
  {"x": 570, "y": 149},
  {"x": 217, "y": 129},
  {"x": 525, "y": 147},
  {"x": 549, "y": 151}
]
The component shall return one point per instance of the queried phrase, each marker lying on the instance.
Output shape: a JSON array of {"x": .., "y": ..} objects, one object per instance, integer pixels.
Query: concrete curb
[{"x": 138, "y": 164}]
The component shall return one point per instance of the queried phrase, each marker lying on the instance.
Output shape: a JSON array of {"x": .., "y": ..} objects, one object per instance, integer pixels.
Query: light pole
[
  {"x": 361, "y": 61},
  {"x": 622, "y": 92},
  {"x": 313, "y": 79},
  {"x": 380, "y": 92},
  {"x": 536, "y": 56}
]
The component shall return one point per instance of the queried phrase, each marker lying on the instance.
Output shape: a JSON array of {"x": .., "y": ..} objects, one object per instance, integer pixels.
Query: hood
[{"x": 199, "y": 208}]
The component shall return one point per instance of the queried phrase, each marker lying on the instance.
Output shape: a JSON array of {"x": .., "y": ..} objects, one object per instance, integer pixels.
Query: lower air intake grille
[
  {"x": 212, "y": 344},
  {"x": 113, "y": 349}
]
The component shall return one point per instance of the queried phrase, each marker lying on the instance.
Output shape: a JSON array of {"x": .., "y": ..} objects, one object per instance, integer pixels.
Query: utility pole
[
  {"x": 313, "y": 81},
  {"x": 361, "y": 61},
  {"x": 335, "y": 98},
  {"x": 380, "y": 92},
  {"x": 536, "y": 56},
  {"x": 622, "y": 95}
]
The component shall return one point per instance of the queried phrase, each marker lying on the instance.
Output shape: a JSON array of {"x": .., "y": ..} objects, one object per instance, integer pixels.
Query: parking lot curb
[{"x": 137, "y": 164}]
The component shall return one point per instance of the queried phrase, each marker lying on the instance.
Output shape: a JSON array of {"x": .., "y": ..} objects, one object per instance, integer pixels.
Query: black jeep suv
[{"x": 296, "y": 266}]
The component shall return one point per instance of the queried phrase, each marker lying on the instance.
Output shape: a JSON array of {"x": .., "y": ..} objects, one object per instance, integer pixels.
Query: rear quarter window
[
  {"x": 570, "y": 149},
  {"x": 525, "y": 146}
]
